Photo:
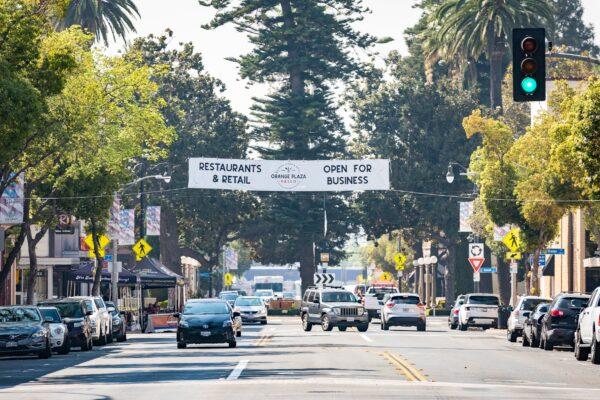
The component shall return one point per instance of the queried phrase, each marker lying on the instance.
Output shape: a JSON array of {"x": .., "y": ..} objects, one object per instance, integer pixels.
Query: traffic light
[{"x": 529, "y": 64}]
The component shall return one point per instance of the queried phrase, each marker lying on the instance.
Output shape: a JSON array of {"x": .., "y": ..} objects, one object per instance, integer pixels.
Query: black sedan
[
  {"x": 23, "y": 331},
  {"x": 560, "y": 323},
  {"x": 532, "y": 328},
  {"x": 75, "y": 315},
  {"x": 206, "y": 321},
  {"x": 119, "y": 327}
]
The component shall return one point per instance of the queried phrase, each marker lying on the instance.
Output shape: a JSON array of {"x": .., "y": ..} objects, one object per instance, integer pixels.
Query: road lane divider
[
  {"x": 405, "y": 368},
  {"x": 265, "y": 337},
  {"x": 237, "y": 371}
]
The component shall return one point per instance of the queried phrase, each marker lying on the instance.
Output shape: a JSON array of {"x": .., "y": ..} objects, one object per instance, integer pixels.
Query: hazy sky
[{"x": 185, "y": 17}]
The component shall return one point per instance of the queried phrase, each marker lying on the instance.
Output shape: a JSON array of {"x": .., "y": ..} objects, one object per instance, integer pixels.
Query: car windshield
[
  {"x": 67, "y": 310},
  {"x": 229, "y": 296},
  {"x": 205, "y": 308},
  {"x": 19, "y": 314},
  {"x": 405, "y": 300},
  {"x": 571, "y": 302},
  {"x": 264, "y": 293},
  {"x": 531, "y": 304},
  {"x": 50, "y": 314},
  {"x": 486, "y": 300},
  {"x": 248, "y": 302},
  {"x": 338, "y": 297}
]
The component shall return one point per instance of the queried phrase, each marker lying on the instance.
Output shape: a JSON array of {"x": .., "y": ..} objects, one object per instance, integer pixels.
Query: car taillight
[
  {"x": 556, "y": 313},
  {"x": 455, "y": 311},
  {"x": 390, "y": 305}
]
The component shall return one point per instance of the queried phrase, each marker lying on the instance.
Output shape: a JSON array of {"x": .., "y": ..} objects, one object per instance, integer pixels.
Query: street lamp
[
  {"x": 450, "y": 174},
  {"x": 114, "y": 276}
]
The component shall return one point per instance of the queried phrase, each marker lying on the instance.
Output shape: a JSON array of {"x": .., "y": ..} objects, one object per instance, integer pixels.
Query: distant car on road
[
  {"x": 403, "y": 309},
  {"x": 76, "y": 316},
  {"x": 587, "y": 337},
  {"x": 453, "y": 316},
  {"x": 517, "y": 317},
  {"x": 266, "y": 295},
  {"x": 59, "y": 333},
  {"x": 532, "y": 327},
  {"x": 478, "y": 310},
  {"x": 229, "y": 296},
  {"x": 207, "y": 321},
  {"x": 119, "y": 327},
  {"x": 373, "y": 299},
  {"x": 23, "y": 331},
  {"x": 331, "y": 307},
  {"x": 251, "y": 309},
  {"x": 560, "y": 323}
]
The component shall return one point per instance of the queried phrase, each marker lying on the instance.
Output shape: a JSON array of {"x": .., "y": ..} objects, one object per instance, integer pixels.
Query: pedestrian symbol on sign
[{"x": 141, "y": 249}]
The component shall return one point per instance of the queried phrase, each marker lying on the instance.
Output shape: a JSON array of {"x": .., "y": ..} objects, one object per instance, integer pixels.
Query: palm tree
[
  {"x": 469, "y": 29},
  {"x": 101, "y": 17}
]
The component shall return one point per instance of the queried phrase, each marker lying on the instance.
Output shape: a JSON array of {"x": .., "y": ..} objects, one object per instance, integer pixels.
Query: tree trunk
[
  {"x": 296, "y": 75},
  {"x": 535, "y": 281},
  {"x": 496, "y": 76},
  {"x": 527, "y": 277},
  {"x": 307, "y": 266},
  {"x": 11, "y": 257},
  {"x": 31, "y": 279},
  {"x": 503, "y": 280},
  {"x": 98, "y": 274}
]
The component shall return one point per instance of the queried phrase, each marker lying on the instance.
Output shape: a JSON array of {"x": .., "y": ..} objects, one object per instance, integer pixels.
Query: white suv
[
  {"x": 403, "y": 309},
  {"x": 101, "y": 319},
  {"x": 517, "y": 318},
  {"x": 478, "y": 310},
  {"x": 587, "y": 336}
]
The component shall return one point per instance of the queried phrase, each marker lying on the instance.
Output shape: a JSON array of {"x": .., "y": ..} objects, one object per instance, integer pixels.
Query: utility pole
[{"x": 114, "y": 275}]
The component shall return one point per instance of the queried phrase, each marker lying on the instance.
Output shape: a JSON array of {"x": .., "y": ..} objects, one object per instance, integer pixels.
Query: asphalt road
[{"x": 280, "y": 361}]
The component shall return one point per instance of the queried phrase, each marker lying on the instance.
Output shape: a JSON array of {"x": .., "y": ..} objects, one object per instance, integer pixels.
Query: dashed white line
[
  {"x": 368, "y": 339},
  {"x": 237, "y": 371}
]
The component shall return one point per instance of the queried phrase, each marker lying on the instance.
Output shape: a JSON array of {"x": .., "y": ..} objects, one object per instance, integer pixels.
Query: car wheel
[
  {"x": 46, "y": 353},
  {"x": 306, "y": 326},
  {"x": 452, "y": 326},
  {"x": 122, "y": 338},
  {"x": 548, "y": 346},
  {"x": 526, "y": 342},
  {"x": 110, "y": 337},
  {"x": 384, "y": 326},
  {"x": 421, "y": 327},
  {"x": 326, "y": 323},
  {"x": 342, "y": 328},
  {"x": 363, "y": 328},
  {"x": 263, "y": 322},
  {"x": 462, "y": 327},
  {"x": 181, "y": 345},
  {"x": 238, "y": 333},
  {"x": 511, "y": 336},
  {"x": 581, "y": 353},
  {"x": 594, "y": 350},
  {"x": 65, "y": 348},
  {"x": 232, "y": 344}
]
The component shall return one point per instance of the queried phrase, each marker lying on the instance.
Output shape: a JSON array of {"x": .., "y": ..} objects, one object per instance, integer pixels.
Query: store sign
[
  {"x": 289, "y": 176},
  {"x": 65, "y": 225}
]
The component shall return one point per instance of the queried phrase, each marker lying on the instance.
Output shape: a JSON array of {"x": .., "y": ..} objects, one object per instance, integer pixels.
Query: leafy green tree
[
  {"x": 101, "y": 17},
  {"x": 570, "y": 30},
  {"x": 302, "y": 48},
  {"x": 466, "y": 30}
]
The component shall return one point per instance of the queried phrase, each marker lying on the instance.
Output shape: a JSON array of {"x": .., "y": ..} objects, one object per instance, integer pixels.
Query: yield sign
[{"x": 476, "y": 263}]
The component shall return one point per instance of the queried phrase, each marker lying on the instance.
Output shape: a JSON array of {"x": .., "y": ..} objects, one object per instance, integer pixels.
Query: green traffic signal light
[{"x": 529, "y": 85}]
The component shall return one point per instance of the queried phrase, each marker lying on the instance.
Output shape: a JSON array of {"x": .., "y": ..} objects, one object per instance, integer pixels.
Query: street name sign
[
  {"x": 488, "y": 270},
  {"x": 554, "y": 251}
]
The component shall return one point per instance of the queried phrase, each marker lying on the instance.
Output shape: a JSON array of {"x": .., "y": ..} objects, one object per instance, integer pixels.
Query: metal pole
[
  {"x": 142, "y": 210},
  {"x": 114, "y": 275},
  {"x": 513, "y": 283},
  {"x": 421, "y": 278},
  {"x": 427, "y": 286},
  {"x": 433, "y": 279}
]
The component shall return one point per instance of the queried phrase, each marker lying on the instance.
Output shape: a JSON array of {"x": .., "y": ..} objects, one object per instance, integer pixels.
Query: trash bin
[{"x": 503, "y": 315}]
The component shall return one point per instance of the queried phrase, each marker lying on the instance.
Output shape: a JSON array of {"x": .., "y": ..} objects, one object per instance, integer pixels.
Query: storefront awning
[{"x": 154, "y": 275}]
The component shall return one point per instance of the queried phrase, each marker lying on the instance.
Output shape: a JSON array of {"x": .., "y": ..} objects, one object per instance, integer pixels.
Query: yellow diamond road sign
[
  {"x": 228, "y": 279},
  {"x": 103, "y": 241},
  {"x": 513, "y": 255},
  {"x": 141, "y": 249},
  {"x": 399, "y": 259},
  {"x": 386, "y": 276},
  {"x": 512, "y": 240}
]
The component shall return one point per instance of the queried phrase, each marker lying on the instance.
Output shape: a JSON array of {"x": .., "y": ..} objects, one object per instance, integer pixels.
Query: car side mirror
[
  {"x": 236, "y": 314},
  {"x": 89, "y": 313},
  {"x": 526, "y": 314},
  {"x": 177, "y": 315}
]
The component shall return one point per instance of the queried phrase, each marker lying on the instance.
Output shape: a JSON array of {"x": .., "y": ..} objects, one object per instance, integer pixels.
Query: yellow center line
[
  {"x": 265, "y": 337},
  {"x": 405, "y": 368}
]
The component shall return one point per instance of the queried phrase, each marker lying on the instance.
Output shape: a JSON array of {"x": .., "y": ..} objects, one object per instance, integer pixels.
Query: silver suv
[
  {"x": 331, "y": 307},
  {"x": 100, "y": 320}
]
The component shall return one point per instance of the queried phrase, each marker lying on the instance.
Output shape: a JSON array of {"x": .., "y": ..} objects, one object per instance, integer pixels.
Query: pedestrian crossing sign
[
  {"x": 141, "y": 249},
  {"x": 512, "y": 240},
  {"x": 103, "y": 241}
]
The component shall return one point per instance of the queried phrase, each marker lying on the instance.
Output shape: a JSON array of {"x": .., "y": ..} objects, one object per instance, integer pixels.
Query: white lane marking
[
  {"x": 237, "y": 371},
  {"x": 368, "y": 339}
]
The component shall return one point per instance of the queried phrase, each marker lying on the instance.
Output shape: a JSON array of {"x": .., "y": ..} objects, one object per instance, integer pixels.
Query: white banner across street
[{"x": 289, "y": 176}]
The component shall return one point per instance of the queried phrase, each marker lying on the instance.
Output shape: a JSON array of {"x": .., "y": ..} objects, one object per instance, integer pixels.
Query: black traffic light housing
[{"x": 529, "y": 64}]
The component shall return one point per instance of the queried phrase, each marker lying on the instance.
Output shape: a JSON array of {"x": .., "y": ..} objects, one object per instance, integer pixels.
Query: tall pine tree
[
  {"x": 571, "y": 32},
  {"x": 302, "y": 48}
]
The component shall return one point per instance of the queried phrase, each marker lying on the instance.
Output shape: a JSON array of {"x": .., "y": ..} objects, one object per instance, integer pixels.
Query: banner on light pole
[
  {"x": 465, "y": 213},
  {"x": 153, "y": 221},
  {"x": 113, "y": 220},
  {"x": 126, "y": 227},
  {"x": 11, "y": 201}
]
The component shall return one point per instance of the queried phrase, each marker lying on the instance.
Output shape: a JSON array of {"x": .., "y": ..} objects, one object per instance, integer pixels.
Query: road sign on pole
[
  {"x": 141, "y": 249},
  {"x": 476, "y": 250},
  {"x": 554, "y": 251},
  {"x": 323, "y": 278},
  {"x": 513, "y": 240},
  {"x": 103, "y": 241},
  {"x": 476, "y": 263}
]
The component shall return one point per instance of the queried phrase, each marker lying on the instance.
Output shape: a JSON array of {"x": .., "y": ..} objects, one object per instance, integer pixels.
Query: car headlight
[
  {"x": 336, "y": 310},
  {"x": 183, "y": 324},
  {"x": 360, "y": 310},
  {"x": 263, "y": 311},
  {"x": 226, "y": 324},
  {"x": 38, "y": 334}
]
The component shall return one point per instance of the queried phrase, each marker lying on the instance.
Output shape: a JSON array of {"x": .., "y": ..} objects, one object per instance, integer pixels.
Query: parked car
[
  {"x": 59, "y": 333},
  {"x": 100, "y": 319},
  {"x": 560, "y": 323},
  {"x": 587, "y": 336},
  {"x": 532, "y": 327},
  {"x": 119, "y": 326},
  {"x": 478, "y": 310},
  {"x": 517, "y": 317},
  {"x": 75, "y": 314},
  {"x": 331, "y": 307},
  {"x": 207, "y": 321},
  {"x": 266, "y": 295},
  {"x": 453, "y": 316},
  {"x": 251, "y": 309},
  {"x": 373, "y": 299},
  {"x": 229, "y": 296},
  {"x": 403, "y": 309},
  {"x": 24, "y": 331}
]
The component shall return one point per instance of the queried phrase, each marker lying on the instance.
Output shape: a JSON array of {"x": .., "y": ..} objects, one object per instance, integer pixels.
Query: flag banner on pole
[
  {"x": 289, "y": 176},
  {"x": 126, "y": 227},
  {"x": 500, "y": 232},
  {"x": 466, "y": 211},
  {"x": 153, "y": 221},
  {"x": 11, "y": 202},
  {"x": 113, "y": 220}
]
